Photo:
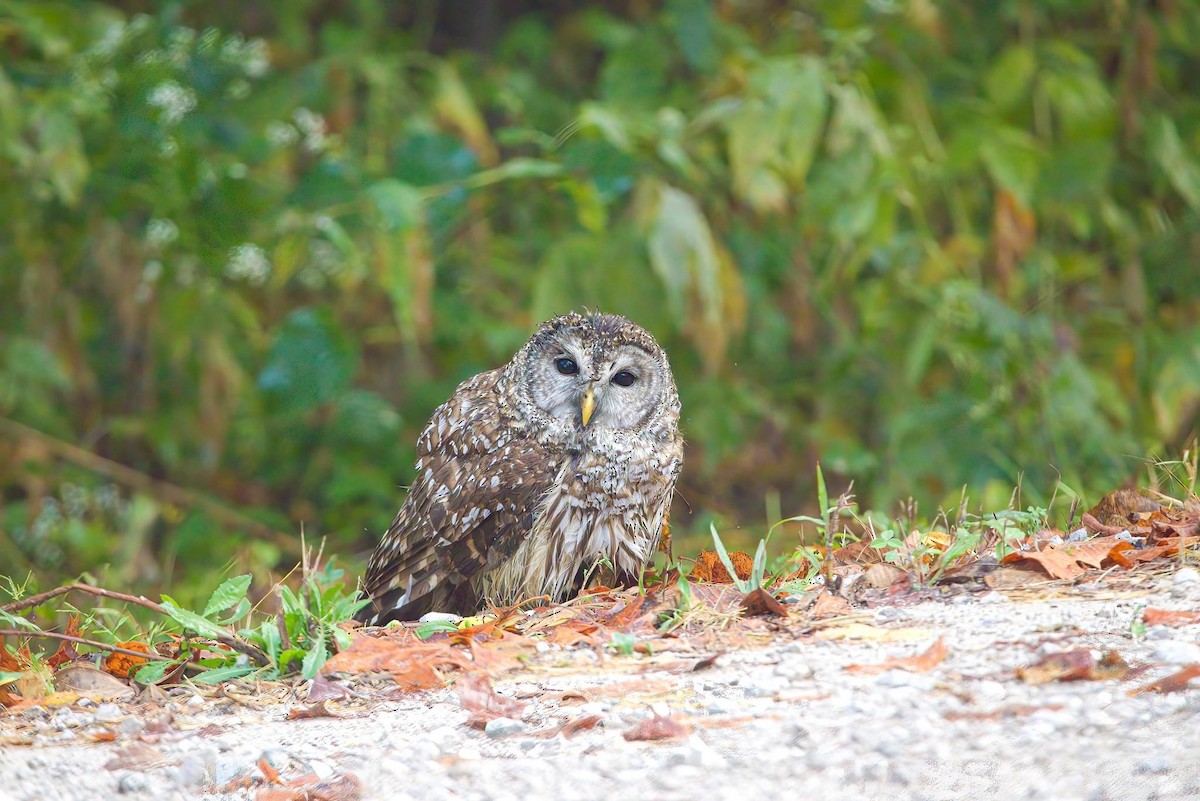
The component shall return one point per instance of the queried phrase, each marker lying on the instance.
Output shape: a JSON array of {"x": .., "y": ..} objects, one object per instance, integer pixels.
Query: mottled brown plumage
[{"x": 531, "y": 474}]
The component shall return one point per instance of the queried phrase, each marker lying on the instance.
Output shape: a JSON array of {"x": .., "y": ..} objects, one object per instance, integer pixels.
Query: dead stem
[{"x": 233, "y": 642}]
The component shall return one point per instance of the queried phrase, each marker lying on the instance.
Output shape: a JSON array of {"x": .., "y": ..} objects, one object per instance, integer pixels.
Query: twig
[
  {"x": 71, "y": 638},
  {"x": 162, "y": 490},
  {"x": 42, "y": 597},
  {"x": 236, "y": 644}
]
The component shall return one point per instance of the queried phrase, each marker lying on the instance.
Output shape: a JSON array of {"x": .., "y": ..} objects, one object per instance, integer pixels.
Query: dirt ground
[{"x": 786, "y": 716}]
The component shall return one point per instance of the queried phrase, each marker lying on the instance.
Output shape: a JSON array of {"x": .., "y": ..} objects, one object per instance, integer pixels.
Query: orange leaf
[
  {"x": 1170, "y": 684},
  {"x": 66, "y": 651},
  {"x": 761, "y": 602},
  {"x": 659, "y": 727},
  {"x": 829, "y": 605},
  {"x": 1169, "y": 617},
  {"x": 711, "y": 570},
  {"x": 476, "y": 695},
  {"x": 1064, "y": 561},
  {"x": 1074, "y": 665},
  {"x": 120, "y": 664},
  {"x": 412, "y": 666},
  {"x": 923, "y": 662}
]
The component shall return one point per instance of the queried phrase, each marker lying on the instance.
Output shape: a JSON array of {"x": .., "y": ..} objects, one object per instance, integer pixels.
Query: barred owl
[{"x": 532, "y": 474}]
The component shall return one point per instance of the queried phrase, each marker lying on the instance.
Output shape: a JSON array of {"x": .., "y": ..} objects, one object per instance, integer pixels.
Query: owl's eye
[
  {"x": 624, "y": 378},
  {"x": 566, "y": 366}
]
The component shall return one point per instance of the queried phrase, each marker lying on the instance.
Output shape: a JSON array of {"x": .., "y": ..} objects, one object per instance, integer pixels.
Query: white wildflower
[
  {"x": 174, "y": 100},
  {"x": 161, "y": 232},
  {"x": 256, "y": 58},
  {"x": 248, "y": 262},
  {"x": 280, "y": 134},
  {"x": 324, "y": 257},
  {"x": 109, "y": 42},
  {"x": 180, "y": 45},
  {"x": 140, "y": 24},
  {"x": 75, "y": 499},
  {"x": 312, "y": 126},
  {"x": 152, "y": 271},
  {"x": 107, "y": 496}
]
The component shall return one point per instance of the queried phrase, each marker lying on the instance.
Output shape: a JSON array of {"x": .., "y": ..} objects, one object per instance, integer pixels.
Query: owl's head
[{"x": 597, "y": 372}]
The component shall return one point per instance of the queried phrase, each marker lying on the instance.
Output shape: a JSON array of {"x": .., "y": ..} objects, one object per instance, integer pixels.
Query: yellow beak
[{"x": 587, "y": 405}]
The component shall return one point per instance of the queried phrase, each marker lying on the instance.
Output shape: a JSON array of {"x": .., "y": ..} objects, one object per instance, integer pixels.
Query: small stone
[
  {"x": 1186, "y": 575},
  {"x": 194, "y": 768},
  {"x": 133, "y": 783},
  {"x": 794, "y": 671},
  {"x": 503, "y": 727},
  {"x": 228, "y": 770},
  {"x": 1177, "y": 652},
  {"x": 1155, "y": 763},
  {"x": 993, "y": 597},
  {"x": 108, "y": 713},
  {"x": 441, "y": 617},
  {"x": 902, "y": 678},
  {"x": 1160, "y": 633},
  {"x": 194, "y": 701},
  {"x": 131, "y": 726}
]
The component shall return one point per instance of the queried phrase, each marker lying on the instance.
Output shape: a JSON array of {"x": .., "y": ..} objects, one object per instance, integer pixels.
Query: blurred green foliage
[{"x": 245, "y": 249}]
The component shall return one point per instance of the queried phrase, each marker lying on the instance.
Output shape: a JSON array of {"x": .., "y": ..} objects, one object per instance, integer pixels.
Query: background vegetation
[{"x": 245, "y": 248}]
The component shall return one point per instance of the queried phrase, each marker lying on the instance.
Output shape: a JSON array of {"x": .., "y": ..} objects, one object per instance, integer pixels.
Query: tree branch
[
  {"x": 233, "y": 642},
  {"x": 151, "y": 657},
  {"x": 162, "y": 490}
]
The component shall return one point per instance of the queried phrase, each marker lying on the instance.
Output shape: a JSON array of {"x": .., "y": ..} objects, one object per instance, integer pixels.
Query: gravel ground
[{"x": 760, "y": 722}]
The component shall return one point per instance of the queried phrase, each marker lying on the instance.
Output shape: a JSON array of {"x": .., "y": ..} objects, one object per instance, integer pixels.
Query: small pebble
[
  {"x": 131, "y": 726},
  {"x": 108, "y": 713},
  {"x": 794, "y": 671},
  {"x": 503, "y": 727},
  {"x": 993, "y": 597},
  {"x": 1186, "y": 576},
  {"x": 1155, "y": 763},
  {"x": 441, "y": 617},
  {"x": 133, "y": 783},
  {"x": 1176, "y": 652}
]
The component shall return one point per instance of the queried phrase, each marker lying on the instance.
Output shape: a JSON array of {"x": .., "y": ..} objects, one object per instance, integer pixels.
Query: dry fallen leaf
[
  {"x": 476, "y": 695},
  {"x": 829, "y": 605},
  {"x": 1173, "y": 683},
  {"x": 761, "y": 602},
  {"x": 1074, "y": 665},
  {"x": 92, "y": 683},
  {"x": 923, "y": 662},
  {"x": 66, "y": 652},
  {"x": 709, "y": 568},
  {"x": 318, "y": 710},
  {"x": 1169, "y": 617},
  {"x": 324, "y": 688},
  {"x": 863, "y": 631},
  {"x": 1066, "y": 561},
  {"x": 658, "y": 727},
  {"x": 413, "y": 666},
  {"x": 121, "y": 664},
  {"x": 881, "y": 575},
  {"x": 310, "y": 787}
]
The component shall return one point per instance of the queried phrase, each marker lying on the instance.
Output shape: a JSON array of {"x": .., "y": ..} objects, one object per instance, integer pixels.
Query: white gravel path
[{"x": 786, "y": 721}]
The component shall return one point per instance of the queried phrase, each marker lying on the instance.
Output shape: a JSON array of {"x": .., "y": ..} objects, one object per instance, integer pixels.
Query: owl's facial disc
[
  {"x": 626, "y": 384},
  {"x": 588, "y": 381}
]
